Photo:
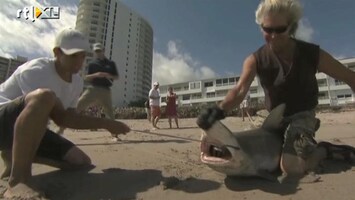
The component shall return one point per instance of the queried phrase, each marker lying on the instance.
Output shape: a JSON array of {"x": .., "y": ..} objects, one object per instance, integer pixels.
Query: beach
[{"x": 165, "y": 164}]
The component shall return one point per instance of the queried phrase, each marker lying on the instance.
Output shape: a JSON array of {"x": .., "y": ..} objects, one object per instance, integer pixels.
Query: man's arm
[
  {"x": 233, "y": 98},
  {"x": 90, "y": 77},
  {"x": 236, "y": 95},
  {"x": 71, "y": 119},
  {"x": 93, "y": 73},
  {"x": 335, "y": 69}
]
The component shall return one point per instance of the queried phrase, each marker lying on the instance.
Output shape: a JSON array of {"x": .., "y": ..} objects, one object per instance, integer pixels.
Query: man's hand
[
  {"x": 117, "y": 127},
  {"x": 102, "y": 75},
  {"x": 209, "y": 116}
]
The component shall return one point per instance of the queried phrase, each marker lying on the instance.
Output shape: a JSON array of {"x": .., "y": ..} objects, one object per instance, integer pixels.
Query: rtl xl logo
[{"x": 34, "y": 12}]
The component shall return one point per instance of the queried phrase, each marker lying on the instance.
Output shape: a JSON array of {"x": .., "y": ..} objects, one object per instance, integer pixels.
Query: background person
[
  {"x": 286, "y": 68},
  {"x": 101, "y": 72},
  {"x": 39, "y": 90},
  {"x": 244, "y": 107},
  {"x": 171, "y": 110},
  {"x": 154, "y": 102}
]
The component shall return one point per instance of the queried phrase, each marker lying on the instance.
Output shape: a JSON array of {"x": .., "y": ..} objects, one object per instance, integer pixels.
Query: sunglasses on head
[{"x": 277, "y": 30}]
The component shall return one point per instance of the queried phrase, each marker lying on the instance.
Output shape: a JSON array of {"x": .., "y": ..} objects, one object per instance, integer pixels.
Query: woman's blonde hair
[{"x": 291, "y": 8}]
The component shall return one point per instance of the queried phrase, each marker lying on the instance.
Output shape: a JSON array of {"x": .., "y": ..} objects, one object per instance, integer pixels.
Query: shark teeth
[
  {"x": 213, "y": 151},
  {"x": 219, "y": 152}
]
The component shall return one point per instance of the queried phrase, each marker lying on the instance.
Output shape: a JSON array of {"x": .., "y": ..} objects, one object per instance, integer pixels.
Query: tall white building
[
  {"x": 331, "y": 91},
  {"x": 128, "y": 41}
]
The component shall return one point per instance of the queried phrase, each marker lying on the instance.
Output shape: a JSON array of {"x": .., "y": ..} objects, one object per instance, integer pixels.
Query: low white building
[
  {"x": 9, "y": 65},
  {"x": 331, "y": 91}
]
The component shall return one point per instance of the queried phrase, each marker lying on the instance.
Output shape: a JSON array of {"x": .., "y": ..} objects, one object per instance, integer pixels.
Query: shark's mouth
[{"x": 214, "y": 152}]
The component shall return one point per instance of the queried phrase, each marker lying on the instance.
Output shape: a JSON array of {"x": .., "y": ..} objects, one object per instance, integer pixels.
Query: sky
[{"x": 193, "y": 39}]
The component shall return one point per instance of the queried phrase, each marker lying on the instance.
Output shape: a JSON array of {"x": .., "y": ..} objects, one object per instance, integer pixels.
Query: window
[
  {"x": 338, "y": 82},
  {"x": 323, "y": 95},
  {"x": 210, "y": 94},
  {"x": 195, "y": 85},
  {"x": 231, "y": 81},
  {"x": 186, "y": 97},
  {"x": 225, "y": 81},
  {"x": 218, "y": 82},
  {"x": 344, "y": 96},
  {"x": 196, "y": 96},
  {"x": 322, "y": 83},
  {"x": 253, "y": 90},
  {"x": 209, "y": 84},
  {"x": 176, "y": 89}
]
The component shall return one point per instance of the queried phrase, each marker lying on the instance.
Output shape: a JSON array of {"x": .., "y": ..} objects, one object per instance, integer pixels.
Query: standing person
[
  {"x": 244, "y": 107},
  {"x": 154, "y": 102},
  {"x": 101, "y": 72},
  {"x": 147, "y": 109},
  {"x": 286, "y": 68},
  {"x": 171, "y": 111},
  {"x": 39, "y": 90}
]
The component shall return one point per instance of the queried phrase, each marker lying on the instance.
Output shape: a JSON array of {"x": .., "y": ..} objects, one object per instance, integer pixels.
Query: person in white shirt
[
  {"x": 244, "y": 107},
  {"x": 39, "y": 90},
  {"x": 154, "y": 102}
]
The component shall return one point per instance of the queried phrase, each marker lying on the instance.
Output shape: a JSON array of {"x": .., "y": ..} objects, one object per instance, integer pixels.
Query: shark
[{"x": 250, "y": 153}]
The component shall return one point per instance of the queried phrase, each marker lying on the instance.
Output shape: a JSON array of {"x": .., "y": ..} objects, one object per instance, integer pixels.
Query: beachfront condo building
[
  {"x": 331, "y": 91},
  {"x": 128, "y": 41},
  {"x": 9, "y": 65}
]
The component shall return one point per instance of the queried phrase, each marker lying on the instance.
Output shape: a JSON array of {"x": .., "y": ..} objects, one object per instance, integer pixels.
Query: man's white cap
[
  {"x": 71, "y": 41},
  {"x": 97, "y": 46},
  {"x": 155, "y": 83}
]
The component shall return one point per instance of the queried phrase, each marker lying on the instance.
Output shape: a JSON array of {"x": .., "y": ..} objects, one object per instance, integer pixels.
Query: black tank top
[{"x": 296, "y": 85}]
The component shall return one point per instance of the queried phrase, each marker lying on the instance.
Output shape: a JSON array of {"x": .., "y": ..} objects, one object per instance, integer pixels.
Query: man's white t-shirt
[
  {"x": 156, "y": 100},
  {"x": 41, "y": 73}
]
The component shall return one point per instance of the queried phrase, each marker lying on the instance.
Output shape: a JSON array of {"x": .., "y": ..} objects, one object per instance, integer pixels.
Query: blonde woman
[{"x": 287, "y": 69}]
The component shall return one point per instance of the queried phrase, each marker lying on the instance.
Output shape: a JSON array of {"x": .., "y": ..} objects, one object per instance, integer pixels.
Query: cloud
[
  {"x": 176, "y": 67},
  {"x": 305, "y": 31},
  {"x": 339, "y": 57},
  {"x": 27, "y": 38}
]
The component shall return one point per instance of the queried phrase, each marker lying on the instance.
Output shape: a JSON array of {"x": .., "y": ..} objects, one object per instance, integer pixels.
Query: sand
[{"x": 164, "y": 164}]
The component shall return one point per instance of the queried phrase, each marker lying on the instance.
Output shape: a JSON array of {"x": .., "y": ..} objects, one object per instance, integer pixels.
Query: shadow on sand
[
  {"x": 253, "y": 183},
  {"x": 239, "y": 184},
  {"x": 113, "y": 183}
]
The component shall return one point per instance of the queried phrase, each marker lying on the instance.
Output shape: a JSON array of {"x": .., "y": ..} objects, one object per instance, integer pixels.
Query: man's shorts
[
  {"x": 52, "y": 146},
  {"x": 300, "y": 133},
  {"x": 155, "y": 111}
]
